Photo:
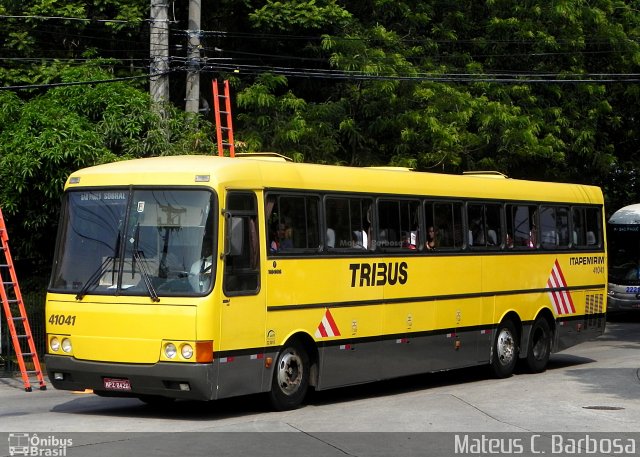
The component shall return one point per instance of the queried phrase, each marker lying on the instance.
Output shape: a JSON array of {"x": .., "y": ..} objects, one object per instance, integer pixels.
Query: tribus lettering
[{"x": 378, "y": 274}]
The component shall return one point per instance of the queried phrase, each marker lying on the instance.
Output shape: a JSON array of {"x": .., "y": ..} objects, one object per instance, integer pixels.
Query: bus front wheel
[
  {"x": 505, "y": 350},
  {"x": 539, "y": 346},
  {"x": 290, "y": 377}
]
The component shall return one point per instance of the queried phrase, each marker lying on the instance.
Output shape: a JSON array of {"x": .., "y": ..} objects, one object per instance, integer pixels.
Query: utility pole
[
  {"x": 159, "y": 50},
  {"x": 192, "y": 97}
]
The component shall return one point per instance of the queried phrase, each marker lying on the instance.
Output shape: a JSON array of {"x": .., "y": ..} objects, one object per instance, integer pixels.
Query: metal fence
[{"x": 34, "y": 301}]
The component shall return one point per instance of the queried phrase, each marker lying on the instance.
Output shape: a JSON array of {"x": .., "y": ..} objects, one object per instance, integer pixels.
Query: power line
[
  {"x": 80, "y": 19},
  {"x": 509, "y": 78},
  {"x": 469, "y": 41},
  {"x": 81, "y": 83}
]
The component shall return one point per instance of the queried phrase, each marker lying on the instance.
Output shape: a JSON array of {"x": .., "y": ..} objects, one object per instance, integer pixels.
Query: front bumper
[
  {"x": 159, "y": 379},
  {"x": 623, "y": 298},
  {"x": 623, "y": 304}
]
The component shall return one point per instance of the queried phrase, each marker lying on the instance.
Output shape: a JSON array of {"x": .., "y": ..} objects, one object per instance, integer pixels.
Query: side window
[
  {"x": 292, "y": 223},
  {"x": 348, "y": 223},
  {"x": 554, "y": 227},
  {"x": 586, "y": 231},
  {"x": 493, "y": 215},
  {"x": 485, "y": 225},
  {"x": 443, "y": 222},
  {"x": 593, "y": 216},
  {"x": 521, "y": 226},
  {"x": 398, "y": 224},
  {"x": 241, "y": 266}
]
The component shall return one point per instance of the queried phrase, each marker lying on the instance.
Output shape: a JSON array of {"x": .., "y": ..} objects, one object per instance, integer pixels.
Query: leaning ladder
[
  {"x": 16, "y": 314},
  {"x": 223, "y": 116}
]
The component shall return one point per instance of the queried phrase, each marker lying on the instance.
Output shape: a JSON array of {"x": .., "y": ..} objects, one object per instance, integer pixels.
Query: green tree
[
  {"x": 37, "y": 41},
  {"x": 407, "y": 107},
  {"x": 45, "y": 138}
]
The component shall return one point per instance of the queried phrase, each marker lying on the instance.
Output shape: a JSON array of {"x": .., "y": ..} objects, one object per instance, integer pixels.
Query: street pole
[
  {"x": 192, "y": 97},
  {"x": 159, "y": 50}
]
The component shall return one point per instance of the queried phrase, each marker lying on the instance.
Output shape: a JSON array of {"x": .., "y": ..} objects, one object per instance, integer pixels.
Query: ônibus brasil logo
[{"x": 33, "y": 445}]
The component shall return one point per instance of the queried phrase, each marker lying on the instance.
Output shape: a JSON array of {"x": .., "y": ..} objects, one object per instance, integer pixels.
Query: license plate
[{"x": 117, "y": 384}]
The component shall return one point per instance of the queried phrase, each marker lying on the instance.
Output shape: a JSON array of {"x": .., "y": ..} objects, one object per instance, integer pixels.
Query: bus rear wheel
[
  {"x": 505, "y": 350},
  {"x": 539, "y": 348},
  {"x": 290, "y": 377}
]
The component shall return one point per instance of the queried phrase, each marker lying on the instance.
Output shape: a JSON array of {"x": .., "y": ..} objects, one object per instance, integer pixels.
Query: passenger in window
[
  {"x": 492, "y": 237},
  {"x": 509, "y": 241},
  {"x": 274, "y": 245},
  {"x": 430, "y": 244},
  {"x": 359, "y": 239},
  {"x": 410, "y": 240},
  {"x": 285, "y": 235},
  {"x": 533, "y": 237},
  {"x": 331, "y": 238},
  {"x": 476, "y": 234},
  {"x": 550, "y": 238}
]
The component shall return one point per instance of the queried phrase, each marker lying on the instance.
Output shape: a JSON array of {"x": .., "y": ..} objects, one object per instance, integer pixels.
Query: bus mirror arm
[{"x": 227, "y": 242}]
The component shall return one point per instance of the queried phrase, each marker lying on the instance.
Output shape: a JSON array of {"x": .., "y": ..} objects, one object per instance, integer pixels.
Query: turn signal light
[{"x": 204, "y": 351}]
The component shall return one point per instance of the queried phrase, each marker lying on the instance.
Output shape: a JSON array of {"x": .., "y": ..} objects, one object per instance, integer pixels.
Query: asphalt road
[{"x": 591, "y": 390}]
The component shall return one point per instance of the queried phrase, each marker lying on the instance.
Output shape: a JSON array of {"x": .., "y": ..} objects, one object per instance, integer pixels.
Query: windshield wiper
[
  {"x": 137, "y": 258},
  {"x": 145, "y": 275},
  {"x": 95, "y": 276},
  {"x": 101, "y": 270}
]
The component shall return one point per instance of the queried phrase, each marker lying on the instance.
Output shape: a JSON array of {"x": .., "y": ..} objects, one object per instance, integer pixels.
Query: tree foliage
[
  {"x": 398, "y": 112},
  {"x": 45, "y": 138}
]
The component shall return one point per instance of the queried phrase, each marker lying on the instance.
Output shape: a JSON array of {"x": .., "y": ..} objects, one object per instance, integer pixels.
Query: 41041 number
[{"x": 61, "y": 319}]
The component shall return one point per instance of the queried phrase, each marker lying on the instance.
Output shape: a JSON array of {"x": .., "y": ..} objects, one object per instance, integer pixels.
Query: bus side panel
[
  {"x": 584, "y": 270},
  {"x": 457, "y": 343},
  {"x": 428, "y": 334},
  {"x": 441, "y": 329},
  {"x": 240, "y": 351},
  {"x": 242, "y": 374},
  {"x": 411, "y": 327},
  {"x": 327, "y": 299},
  {"x": 577, "y": 329},
  {"x": 344, "y": 363},
  {"x": 356, "y": 356}
]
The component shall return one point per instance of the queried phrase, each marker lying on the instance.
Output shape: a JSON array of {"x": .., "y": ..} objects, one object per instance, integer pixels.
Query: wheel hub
[
  {"x": 506, "y": 347},
  {"x": 290, "y": 373}
]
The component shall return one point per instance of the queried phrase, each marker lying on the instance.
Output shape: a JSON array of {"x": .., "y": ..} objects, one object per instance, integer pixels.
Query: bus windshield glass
[
  {"x": 624, "y": 253},
  {"x": 141, "y": 242}
]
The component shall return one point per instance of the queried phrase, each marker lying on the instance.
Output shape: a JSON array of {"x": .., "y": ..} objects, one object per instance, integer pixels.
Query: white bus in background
[{"x": 624, "y": 259}]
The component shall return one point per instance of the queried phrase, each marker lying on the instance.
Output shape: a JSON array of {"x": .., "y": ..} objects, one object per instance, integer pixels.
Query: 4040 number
[{"x": 61, "y": 319}]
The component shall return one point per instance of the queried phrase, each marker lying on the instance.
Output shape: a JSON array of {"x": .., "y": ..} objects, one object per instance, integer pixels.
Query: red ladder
[
  {"x": 12, "y": 300},
  {"x": 227, "y": 128}
]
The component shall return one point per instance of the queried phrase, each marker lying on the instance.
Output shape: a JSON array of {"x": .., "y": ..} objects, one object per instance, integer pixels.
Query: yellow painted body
[{"x": 440, "y": 292}]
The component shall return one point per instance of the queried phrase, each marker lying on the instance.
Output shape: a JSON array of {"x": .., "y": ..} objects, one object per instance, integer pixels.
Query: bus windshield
[
  {"x": 624, "y": 253},
  {"x": 144, "y": 242}
]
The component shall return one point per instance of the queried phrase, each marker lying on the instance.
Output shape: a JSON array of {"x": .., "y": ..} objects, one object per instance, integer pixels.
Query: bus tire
[
  {"x": 290, "y": 377},
  {"x": 505, "y": 350},
  {"x": 539, "y": 348}
]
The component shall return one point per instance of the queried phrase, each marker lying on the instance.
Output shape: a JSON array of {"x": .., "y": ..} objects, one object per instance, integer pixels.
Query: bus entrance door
[{"x": 242, "y": 314}]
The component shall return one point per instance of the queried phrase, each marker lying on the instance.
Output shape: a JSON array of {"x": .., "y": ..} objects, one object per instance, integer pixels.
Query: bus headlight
[
  {"x": 54, "y": 344},
  {"x": 187, "y": 351},
  {"x": 66, "y": 345},
  {"x": 170, "y": 350}
]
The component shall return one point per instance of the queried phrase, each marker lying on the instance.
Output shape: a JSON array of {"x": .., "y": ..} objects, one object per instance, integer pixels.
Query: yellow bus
[{"x": 200, "y": 277}]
